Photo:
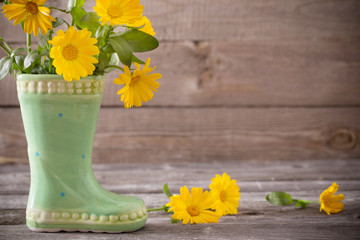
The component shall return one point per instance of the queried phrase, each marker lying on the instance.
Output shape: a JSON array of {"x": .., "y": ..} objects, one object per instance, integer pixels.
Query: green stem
[
  {"x": 108, "y": 32},
  {"x": 7, "y": 45},
  {"x": 28, "y": 42},
  {"x": 68, "y": 24},
  {"x": 312, "y": 202},
  {"x": 61, "y": 10},
  {"x": 5, "y": 49},
  {"x": 50, "y": 59},
  {"x": 156, "y": 209},
  {"x": 114, "y": 66},
  {"x": 43, "y": 67}
]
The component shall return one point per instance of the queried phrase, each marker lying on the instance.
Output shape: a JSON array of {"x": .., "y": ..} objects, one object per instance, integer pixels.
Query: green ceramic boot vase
[{"x": 60, "y": 120}]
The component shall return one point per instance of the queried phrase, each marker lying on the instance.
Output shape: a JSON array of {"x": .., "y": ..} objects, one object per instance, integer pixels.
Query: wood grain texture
[
  {"x": 256, "y": 218},
  {"x": 269, "y": 228},
  {"x": 244, "y": 53},
  {"x": 246, "y": 79},
  {"x": 252, "y": 176},
  {"x": 245, "y": 73},
  {"x": 208, "y": 134},
  {"x": 241, "y": 19}
]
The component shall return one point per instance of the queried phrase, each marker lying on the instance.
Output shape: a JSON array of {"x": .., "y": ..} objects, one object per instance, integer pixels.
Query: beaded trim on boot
[{"x": 55, "y": 221}]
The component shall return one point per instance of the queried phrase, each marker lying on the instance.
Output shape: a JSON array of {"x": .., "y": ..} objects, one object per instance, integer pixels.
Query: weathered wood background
[
  {"x": 242, "y": 79},
  {"x": 275, "y": 82}
]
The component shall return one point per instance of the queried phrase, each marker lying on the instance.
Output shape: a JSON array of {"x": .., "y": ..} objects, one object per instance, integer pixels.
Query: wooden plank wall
[{"x": 242, "y": 79}]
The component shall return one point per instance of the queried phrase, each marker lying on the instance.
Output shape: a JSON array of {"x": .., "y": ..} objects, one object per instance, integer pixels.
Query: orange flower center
[
  {"x": 70, "y": 52},
  {"x": 134, "y": 80},
  {"x": 193, "y": 211},
  {"x": 115, "y": 11},
  {"x": 31, "y": 8},
  {"x": 223, "y": 196}
]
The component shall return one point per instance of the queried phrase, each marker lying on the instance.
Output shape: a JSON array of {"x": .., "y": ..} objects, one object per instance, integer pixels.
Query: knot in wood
[{"x": 343, "y": 139}]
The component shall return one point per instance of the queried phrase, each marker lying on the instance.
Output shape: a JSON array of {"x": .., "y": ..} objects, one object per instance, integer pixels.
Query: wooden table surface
[{"x": 256, "y": 219}]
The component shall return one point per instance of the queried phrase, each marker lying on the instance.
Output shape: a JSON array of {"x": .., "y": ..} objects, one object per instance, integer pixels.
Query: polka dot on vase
[
  {"x": 37, "y": 154},
  {"x": 62, "y": 194},
  {"x": 83, "y": 156},
  {"x": 61, "y": 115}
]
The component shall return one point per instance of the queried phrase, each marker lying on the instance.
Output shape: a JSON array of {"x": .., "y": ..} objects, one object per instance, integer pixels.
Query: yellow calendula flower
[
  {"x": 36, "y": 16},
  {"x": 226, "y": 194},
  {"x": 138, "y": 86},
  {"x": 330, "y": 203},
  {"x": 193, "y": 208},
  {"x": 73, "y": 53},
  {"x": 147, "y": 25},
  {"x": 119, "y": 11}
]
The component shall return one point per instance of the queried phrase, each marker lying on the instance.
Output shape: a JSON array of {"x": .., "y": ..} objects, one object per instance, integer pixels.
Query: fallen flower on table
[
  {"x": 226, "y": 194},
  {"x": 328, "y": 202},
  {"x": 194, "y": 207},
  {"x": 203, "y": 207}
]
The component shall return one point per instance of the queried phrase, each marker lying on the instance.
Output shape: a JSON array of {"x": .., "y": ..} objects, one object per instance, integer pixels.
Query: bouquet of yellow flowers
[
  {"x": 60, "y": 116},
  {"x": 93, "y": 44}
]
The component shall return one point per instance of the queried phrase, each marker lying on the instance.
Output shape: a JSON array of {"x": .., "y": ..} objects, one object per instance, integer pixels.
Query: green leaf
[
  {"x": 43, "y": 39},
  {"x": 77, "y": 13},
  {"x": 166, "y": 209},
  {"x": 166, "y": 190},
  {"x": 18, "y": 50},
  {"x": 135, "y": 59},
  {"x": 103, "y": 61},
  {"x": 71, "y": 4},
  {"x": 122, "y": 49},
  {"x": 33, "y": 56},
  {"x": 139, "y": 41},
  {"x": 38, "y": 70},
  {"x": 90, "y": 21},
  {"x": 58, "y": 22},
  {"x": 75, "y": 3},
  {"x": 279, "y": 198},
  {"x": 114, "y": 60},
  {"x": 101, "y": 33},
  {"x": 108, "y": 49},
  {"x": 19, "y": 59},
  {"x": 172, "y": 220},
  {"x": 5, "y": 66},
  {"x": 301, "y": 204},
  {"x": 15, "y": 67}
]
